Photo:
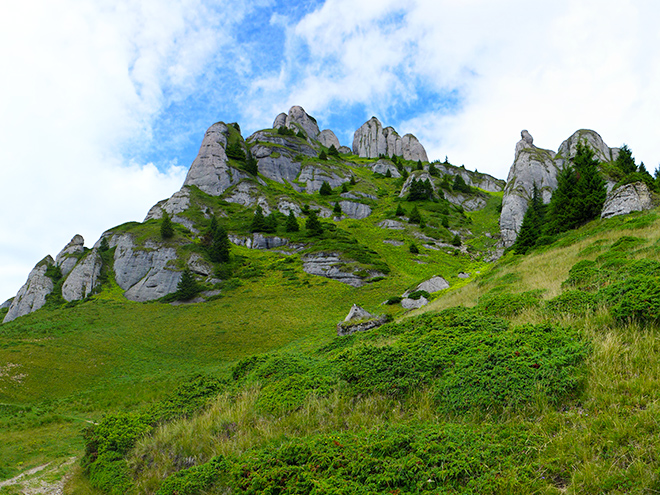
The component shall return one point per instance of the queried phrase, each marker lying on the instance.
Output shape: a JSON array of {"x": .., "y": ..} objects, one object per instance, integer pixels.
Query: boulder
[
  {"x": 626, "y": 199},
  {"x": 382, "y": 166},
  {"x": 359, "y": 320},
  {"x": 392, "y": 224},
  {"x": 434, "y": 284},
  {"x": 197, "y": 265},
  {"x": 32, "y": 295},
  {"x": 210, "y": 171},
  {"x": 329, "y": 265},
  {"x": 372, "y": 140},
  {"x": 357, "y": 313},
  {"x": 468, "y": 203},
  {"x": 70, "y": 254},
  {"x": 408, "y": 303},
  {"x": 178, "y": 203},
  {"x": 285, "y": 205},
  {"x": 327, "y": 138},
  {"x": 84, "y": 278},
  {"x": 345, "y": 150},
  {"x": 357, "y": 211}
]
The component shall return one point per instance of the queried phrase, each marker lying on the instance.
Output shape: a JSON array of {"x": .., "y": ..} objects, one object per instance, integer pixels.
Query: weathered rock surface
[
  {"x": 382, "y": 166},
  {"x": 68, "y": 257},
  {"x": 359, "y": 320},
  {"x": 197, "y": 265},
  {"x": 298, "y": 119},
  {"x": 329, "y": 265},
  {"x": 357, "y": 211},
  {"x": 314, "y": 177},
  {"x": 32, "y": 295},
  {"x": 468, "y": 203},
  {"x": 345, "y": 150},
  {"x": 358, "y": 195},
  {"x": 210, "y": 171},
  {"x": 178, "y": 203},
  {"x": 474, "y": 179},
  {"x": 327, "y": 138},
  {"x": 84, "y": 278},
  {"x": 408, "y": 303},
  {"x": 285, "y": 205},
  {"x": 434, "y": 284},
  {"x": 7, "y": 303},
  {"x": 392, "y": 224},
  {"x": 372, "y": 140},
  {"x": 357, "y": 313},
  {"x": 626, "y": 199},
  {"x": 258, "y": 241},
  {"x": 145, "y": 273},
  {"x": 534, "y": 165},
  {"x": 276, "y": 155}
]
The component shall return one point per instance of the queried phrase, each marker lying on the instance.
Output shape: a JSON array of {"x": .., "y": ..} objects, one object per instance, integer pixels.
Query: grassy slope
[{"x": 66, "y": 367}]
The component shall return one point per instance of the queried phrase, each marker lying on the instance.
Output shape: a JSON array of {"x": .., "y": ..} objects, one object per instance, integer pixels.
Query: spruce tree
[
  {"x": 352, "y": 182},
  {"x": 388, "y": 174},
  {"x": 271, "y": 223},
  {"x": 325, "y": 189},
  {"x": 292, "y": 223},
  {"x": 166, "y": 228},
  {"x": 419, "y": 165},
  {"x": 532, "y": 224},
  {"x": 323, "y": 156},
  {"x": 258, "y": 221},
  {"x": 433, "y": 170},
  {"x": 415, "y": 216},
  {"x": 399, "y": 211},
  {"x": 313, "y": 225},
  {"x": 337, "y": 210},
  {"x": 413, "y": 248},
  {"x": 456, "y": 241},
  {"x": 625, "y": 160},
  {"x": 332, "y": 151},
  {"x": 344, "y": 188},
  {"x": 220, "y": 245},
  {"x": 187, "y": 288},
  {"x": 460, "y": 185}
]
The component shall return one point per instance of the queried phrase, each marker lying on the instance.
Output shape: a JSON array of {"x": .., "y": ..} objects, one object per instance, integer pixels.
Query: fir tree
[
  {"x": 419, "y": 165},
  {"x": 325, "y": 189},
  {"x": 104, "y": 246},
  {"x": 313, "y": 225},
  {"x": 413, "y": 248},
  {"x": 456, "y": 241},
  {"x": 258, "y": 221},
  {"x": 292, "y": 223},
  {"x": 625, "y": 160},
  {"x": 399, "y": 211},
  {"x": 187, "y": 288},
  {"x": 251, "y": 166},
  {"x": 460, "y": 185},
  {"x": 166, "y": 228},
  {"x": 332, "y": 151},
  {"x": 322, "y": 155},
  {"x": 344, "y": 188},
  {"x": 337, "y": 209},
  {"x": 220, "y": 245},
  {"x": 388, "y": 174},
  {"x": 420, "y": 190},
  {"x": 445, "y": 221},
  {"x": 433, "y": 171},
  {"x": 352, "y": 182},
  {"x": 235, "y": 152},
  {"x": 415, "y": 217},
  {"x": 271, "y": 223},
  {"x": 532, "y": 224}
]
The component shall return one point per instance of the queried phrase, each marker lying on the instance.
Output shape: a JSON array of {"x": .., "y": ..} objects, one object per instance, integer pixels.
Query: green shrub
[
  {"x": 636, "y": 298},
  {"x": 195, "y": 480},
  {"x": 573, "y": 301},
  {"x": 507, "y": 304},
  {"x": 110, "y": 474},
  {"x": 393, "y": 300},
  {"x": 289, "y": 394},
  {"x": 419, "y": 293}
]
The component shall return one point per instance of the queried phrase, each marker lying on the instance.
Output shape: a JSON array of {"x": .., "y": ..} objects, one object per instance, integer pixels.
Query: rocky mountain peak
[
  {"x": 298, "y": 119},
  {"x": 372, "y": 140}
]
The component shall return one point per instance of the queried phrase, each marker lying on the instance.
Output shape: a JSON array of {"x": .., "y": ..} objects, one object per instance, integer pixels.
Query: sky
[{"x": 104, "y": 103}]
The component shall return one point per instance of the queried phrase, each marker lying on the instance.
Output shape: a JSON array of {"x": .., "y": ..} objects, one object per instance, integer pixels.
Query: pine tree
[
  {"x": 337, "y": 210},
  {"x": 104, "y": 246},
  {"x": 332, "y": 151},
  {"x": 445, "y": 221},
  {"x": 258, "y": 221},
  {"x": 388, "y": 174},
  {"x": 313, "y": 225},
  {"x": 344, "y": 188},
  {"x": 419, "y": 165},
  {"x": 399, "y": 211},
  {"x": 433, "y": 171},
  {"x": 220, "y": 245},
  {"x": 292, "y": 223},
  {"x": 415, "y": 217},
  {"x": 187, "y": 288},
  {"x": 271, "y": 223},
  {"x": 325, "y": 189},
  {"x": 456, "y": 241},
  {"x": 460, "y": 185},
  {"x": 251, "y": 165},
  {"x": 322, "y": 155},
  {"x": 413, "y": 248},
  {"x": 532, "y": 224},
  {"x": 625, "y": 160},
  {"x": 166, "y": 228},
  {"x": 352, "y": 182}
]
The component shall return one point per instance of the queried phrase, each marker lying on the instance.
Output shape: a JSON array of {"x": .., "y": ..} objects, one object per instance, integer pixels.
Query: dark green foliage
[
  {"x": 399, "y": 211},
  {"x": 579, "y": 196},
  {"x": 416, "y": 295},
  {"x": 352, "y": 181},
  {"x": 445, "y": 221},
  {"x": 636, "y": 298},
  {"x": 532, "y": 224},
  {"x": 236, "y": 126},
  {"x": 413, "y": 248},
  {"x": 419, "y": 165},
  {"x": 219, "y": 245},
  {"x": 325, "y": 189},
  {"x": 301, "y": 134},
  {"x": 187, "y": 288},
  {"x": 445, "y": 183},
  {"x": 54, "y": 273},
  {"x": 344, "y": 188},
  {"x": 258, "y": 221},
  {"x": 323, "y": 155},
  {"x": 506, "y": 304},
  {"x": 574, "y": 302},
  {"x": 415, "y": 216},
  {"x": 251, "y": 165},
  {"x": 420, "y": 190},
  {"x": 285, "y": 131},
  {"x": 166, "y": 227},
  {"x": 459, "y": 184},
  {"x": 337, "y": 209},
  {"x": 433, "y": 171},
  {"x": 104, "y": 246},
  {"x": 271, "y": 223},
  {"x": 393, "y": 300},
  {"x": 292, "y": 223},
  {"x": 195, "y": 480},
  {"x": 313, "y": 225},
  {"x": 388, "y": 174},
  {"x": 332, "y": 151},
  {"x": 110, "y": 474},
  {"x": 456, "y": 241},
  {"x": 625, "y": 160},
  {"x": 235, "y": 151}
]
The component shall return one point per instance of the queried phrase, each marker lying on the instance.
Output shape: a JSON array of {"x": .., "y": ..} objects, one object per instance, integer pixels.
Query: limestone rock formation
[
  {"x": 359, "y": 320},
  {"x": 357, "y": 211},
  {"x": 298, "y": 119},
  {"x": 534, "y": 165},
  {"x": 177, "y": 203},
  {"x": 357, "y": 313},
  {"x": 434, "y": 284},
  {"x": 278, "y": 156},
  {"x": 626, "y": 199},
  {"x": 468, "y": 203},
  {"x": 210, "y": 171},
  {"x": 327, "y": 138},
  {"x": 285, "y": 205},
  {"x": 84, "y": 278},
  {"x": 315, "y": 177},
  {"x": 408, "y": 303},
  {"x": 329, "y": 265},
  {"x": 144, "y": 272},
  {"x": 259, "y": 241},
  {"x": 372, "y": 140},
  {"x": 32, "y": 295},
  {"x": 382, "y": 166},
  {"x": 68, "y": 257}
]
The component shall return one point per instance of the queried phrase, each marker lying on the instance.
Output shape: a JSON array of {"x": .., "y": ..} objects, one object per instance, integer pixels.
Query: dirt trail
[{"x": 40, "y": 480}]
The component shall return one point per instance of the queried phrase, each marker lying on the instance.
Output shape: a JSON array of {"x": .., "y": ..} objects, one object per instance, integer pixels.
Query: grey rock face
[
  {"x": 145, "y": 273},
  {"x": 298, "y": 118},
  {"x": 359, "y": 320},
  {"x": 178, "y": 203},
  {"x": 197, "y": 265},
  {"x": 84, "y": 278},
  {"x": 474, "y": 179},
  {"x": 32, "y": 295},
  {"x": 7, "y": 303},
  {"x": 357, "y": 211},
  {"x": 259, "y": 241},
  {"x": 357, "y": 313},
  {"x": 210, "y": 171},
  {"x": 382, "y": 166},
  {"x": 434, "y": 284},
  {"x": 626, "y": 199},
  {"x": 316, "y": 176},
  {"x": 285, "y": 205},
  {"x": 468, "y": 203},
  {"x": 408, "y": 303},
  {"x": 371, "y": 141},
  {"x": 392, "y": 224},
  {"x": 345, "y": 150},
  {"x": 68, "y": 257},
  {"x": 328, "y": 265},
  {"x": 602, "y": 152},
  {"x": 276, "y": 155},
  {"x": 327, "y": 138}
]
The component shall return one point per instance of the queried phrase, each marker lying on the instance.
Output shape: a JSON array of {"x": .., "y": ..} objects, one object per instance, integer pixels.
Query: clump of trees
[{"x": 420, "y": 190}]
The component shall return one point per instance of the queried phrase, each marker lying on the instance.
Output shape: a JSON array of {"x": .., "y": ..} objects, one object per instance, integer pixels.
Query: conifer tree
[
  {"x": 352, "y": 182},
  {"x": 433, "y": 171},
  {"x": 388, "y": 174},
  {"x": 625, "y": 160},
  {"x": 325, "y": 189},
  {"x": 251, "y": 165},
  {"x": 292, "y": 223},
  {"x": 258, "y": 221},
  {"x": 413, "y": 248},
  {"x": 445, "y": 221},
  {"x": 332, "y": 151},
  {"x": 313, "y": 225},
  {"x": 399, "y": 211},
  {"x": 166, "y": 228},
  {"x": 460, "y": 185},
  {"x": 415, "y": 216},
  {"x": 337, "y": 209},
  {"x": 187, "y": 288},
  {"x": 532, "y": 224},
  {"x": 344, "y": 188},
  {"x": 456, "y": 241},
  {"x": 271, "y": 223},
  {"x": 419, "y": 165},
  {"x": 322, "y": 155},
  {"x": 220, "y": 245}
]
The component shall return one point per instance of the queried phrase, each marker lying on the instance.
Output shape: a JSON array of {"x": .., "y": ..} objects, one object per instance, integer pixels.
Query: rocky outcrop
[
  {"x": 197, "y": 265},
  {"x": 392, "y": 224},
  {"x": 408, "y": 303},
  {"x": 383, "y": 166},
  {"x": 372, "y": 140},
  {"x": 144, "y": 272},
  {"x": 7, "y": 303},
  {"x": 68, "y": 257},
  {"x": 178, "y": 203},
  {"x": 434, "y": 284},
  {"x": 467, "y": 202},
  {"x": 327, "y": 138},
  {"x": 359, "y": 320},
  {"x": 298, "y": 119},
  {"x": 32, "y": 295},
  {"x": 538, "y": 166},
  {"x": 285, "y": 205},
  {"x": 329, "y": 265},
  {"x": 84, "y": 278},
  {"x": 357, "y": 211},
  {"x": 626, "y": 199},
  {"x": 279, "y": 157},
  {"x": 259, "y": 241},
  {"x": 210, "y": 171},
  {"x": 314, "y": 177}
]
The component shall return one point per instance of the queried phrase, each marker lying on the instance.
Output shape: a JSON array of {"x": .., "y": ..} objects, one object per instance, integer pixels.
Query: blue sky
[{"x": 105, "y": 102}]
